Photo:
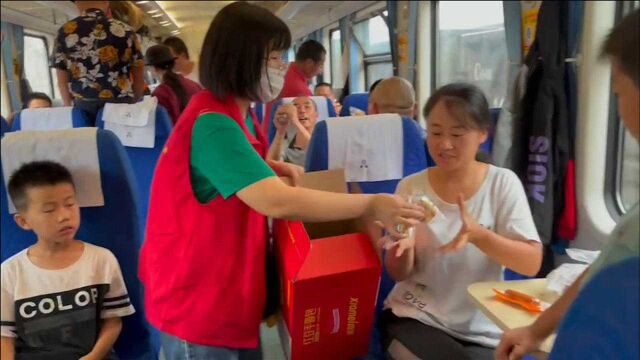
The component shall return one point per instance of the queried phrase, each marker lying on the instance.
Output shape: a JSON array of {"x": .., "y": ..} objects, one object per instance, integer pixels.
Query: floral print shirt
[{"x": 98, "y": 53}]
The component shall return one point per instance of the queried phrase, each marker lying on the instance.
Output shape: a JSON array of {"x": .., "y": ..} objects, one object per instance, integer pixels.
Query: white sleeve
[
  {"x": 514, "y": 218},
  {"x": 116, "y": 301},
  {"x": 7, "y": 316},
  {"x": 403, "y": 187}
]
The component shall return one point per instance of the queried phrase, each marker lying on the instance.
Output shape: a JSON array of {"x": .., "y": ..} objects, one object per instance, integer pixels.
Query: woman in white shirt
[{"x": 484, "y": 224}]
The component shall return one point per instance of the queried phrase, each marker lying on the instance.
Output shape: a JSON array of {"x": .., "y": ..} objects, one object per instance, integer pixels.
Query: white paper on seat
[
  {"x": 561, "y": 278},
  {"x": 133, "y": 124},
  {"x": 369, "y": 148},
  {"x": 76, "y": 149},
  {"x": 46, "y": 118}
]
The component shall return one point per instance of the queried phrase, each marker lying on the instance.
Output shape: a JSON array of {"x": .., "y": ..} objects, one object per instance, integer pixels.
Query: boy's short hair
[
  {"x": 34, "y": 174},
  {"x": 323, "y": 84},
  {"x": 36, "y": 95}
]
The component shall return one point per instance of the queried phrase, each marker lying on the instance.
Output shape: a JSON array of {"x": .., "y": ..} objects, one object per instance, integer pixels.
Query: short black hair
[
  {"x": 373, "y": 86},
  {"x": 466, "y": 102},
  {"x": 35, "y": 174},
  {"x": 622, "y": 45},
  {"x": 322, "y": 84},
  {"x": 236, "y": 49},
  {"x": 310, "y": 49},
  {"x": 38, "y": 96},
  {"x": 177, "y": 45}
]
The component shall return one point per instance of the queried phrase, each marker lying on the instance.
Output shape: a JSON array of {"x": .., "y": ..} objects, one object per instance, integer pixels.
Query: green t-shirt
[
  {"x": 222, "y": 160},
  {"x": 624, "y": 243}
]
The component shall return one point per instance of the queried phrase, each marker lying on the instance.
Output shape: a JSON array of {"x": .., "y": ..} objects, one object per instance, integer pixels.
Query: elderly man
[
  {"x": 393, "y": 95},
  {"x": 303, "y": 114}
]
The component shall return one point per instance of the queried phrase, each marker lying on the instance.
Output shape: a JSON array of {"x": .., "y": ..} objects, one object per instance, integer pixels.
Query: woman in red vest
[{"x": 203, "y": 259}]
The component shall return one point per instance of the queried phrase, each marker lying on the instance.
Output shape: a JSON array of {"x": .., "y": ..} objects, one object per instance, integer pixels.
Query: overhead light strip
[{"x": 157, "y": 12}]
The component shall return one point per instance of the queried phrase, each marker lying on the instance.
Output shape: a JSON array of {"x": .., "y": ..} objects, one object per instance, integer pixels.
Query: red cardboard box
[{"x": 330, "y": 276}]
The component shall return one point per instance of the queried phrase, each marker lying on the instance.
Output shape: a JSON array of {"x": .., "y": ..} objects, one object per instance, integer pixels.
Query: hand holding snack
[
  {"x": 430, "y": 209},
  {"x": 285, "y": 115}
]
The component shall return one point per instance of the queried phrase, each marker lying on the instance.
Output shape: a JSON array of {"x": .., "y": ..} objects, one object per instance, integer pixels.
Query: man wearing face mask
[{"x": 309, "y": 63}]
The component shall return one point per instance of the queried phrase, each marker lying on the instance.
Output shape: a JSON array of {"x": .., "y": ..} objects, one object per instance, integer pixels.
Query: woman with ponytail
[{"x": 174, "y": 90}]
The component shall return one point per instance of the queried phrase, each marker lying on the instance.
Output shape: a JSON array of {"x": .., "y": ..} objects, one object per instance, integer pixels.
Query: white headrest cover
[
  {"x": 133, "y": 124},
  {"x": 59, "y": 118},
  {"x": 369, "y": 148},
  {"x": 76, "y": 149}
]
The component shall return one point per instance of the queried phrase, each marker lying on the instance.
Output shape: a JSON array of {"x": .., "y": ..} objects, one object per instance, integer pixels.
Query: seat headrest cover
[
  {"x": 137, "y": 114},
  {"x": 76, "y": 149},
  {"x": 59, "y": 118},
  {"x": 133, "y": 124},
  {"x": 369, "y": 148}
]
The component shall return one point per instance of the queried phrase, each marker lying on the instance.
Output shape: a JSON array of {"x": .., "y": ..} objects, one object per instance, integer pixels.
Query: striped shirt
[{"x": 55, "y": 314}]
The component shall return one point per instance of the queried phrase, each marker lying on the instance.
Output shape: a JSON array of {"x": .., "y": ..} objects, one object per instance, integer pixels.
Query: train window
[
  {"x": 336, "y": 58},
  {"x": 290, "y": 55},
  {"x": 36, "y": 67},
  {"x": 471, "y": 47},
  {"x": 378, "y": 70},
  {"x": 373, "y": 37},
  {"x": 629, "y": 172},
  {"x": 625, "y": 175}
]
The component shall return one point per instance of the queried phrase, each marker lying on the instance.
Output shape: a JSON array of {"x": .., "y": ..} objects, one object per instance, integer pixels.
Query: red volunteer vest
[{"x": 203, "y": 266}]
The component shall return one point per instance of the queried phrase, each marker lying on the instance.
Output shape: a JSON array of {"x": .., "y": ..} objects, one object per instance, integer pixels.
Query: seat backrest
[
  {"x": 415, "y": 156},
  {"x": 602, "y": 322},
  {"x": 113, "y": 226},
  {"x": 259, "y": 109},
  {"x": 323, "y": 104},
  {"x": 4, "y": 126},
  {"x": 78, "y": 118},
  {"x": 144, "y": 161},
  {"x": 357, "y": 101},
  {"x": 487, "y": 146}
]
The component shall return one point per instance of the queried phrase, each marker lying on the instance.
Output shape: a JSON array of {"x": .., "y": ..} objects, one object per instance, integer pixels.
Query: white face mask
[{"x": 271, "y": 84}]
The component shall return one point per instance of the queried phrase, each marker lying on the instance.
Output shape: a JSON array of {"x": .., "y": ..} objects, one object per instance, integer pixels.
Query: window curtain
[
  {"x": 392, "y": 23},
  {"x": 13, "y": 59},
  {"x": 317, "y": 36},
  {"x": 345, "y": 39},
  {"x": 405, "y": 39}
]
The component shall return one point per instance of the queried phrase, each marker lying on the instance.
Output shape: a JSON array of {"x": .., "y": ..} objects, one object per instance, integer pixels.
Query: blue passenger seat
[
  {"x": 113, "y": 225},
  {"x": 357, "y": 102},
  {"x": 144, "y": 159}
]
